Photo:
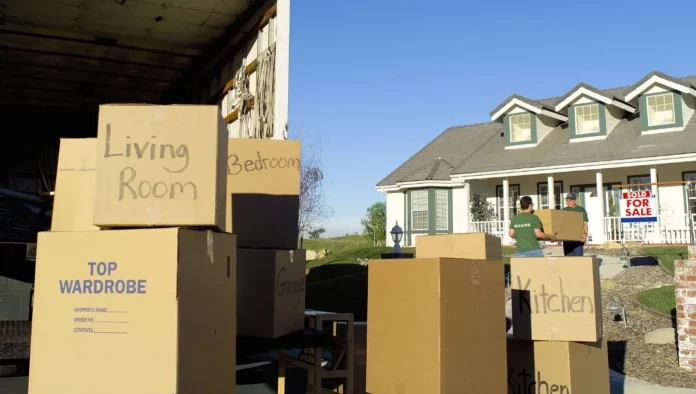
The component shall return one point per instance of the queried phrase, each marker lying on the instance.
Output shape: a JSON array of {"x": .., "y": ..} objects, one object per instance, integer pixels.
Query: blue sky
[{"x": 377, "y": 80}]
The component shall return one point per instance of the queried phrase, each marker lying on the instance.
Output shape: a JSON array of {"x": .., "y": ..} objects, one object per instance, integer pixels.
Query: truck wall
[{"x": 250, "y": 42}]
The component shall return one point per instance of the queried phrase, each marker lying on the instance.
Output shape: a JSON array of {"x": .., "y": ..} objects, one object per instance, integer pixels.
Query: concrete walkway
[{"x": 610, "y": 267}]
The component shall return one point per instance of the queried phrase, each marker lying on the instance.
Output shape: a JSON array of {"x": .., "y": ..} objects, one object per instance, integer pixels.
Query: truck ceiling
[{"x": 82, "y": 53}]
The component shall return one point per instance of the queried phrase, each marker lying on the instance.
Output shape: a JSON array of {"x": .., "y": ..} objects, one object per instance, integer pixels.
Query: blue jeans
[
  {"x": 573, "y": 248},
  {"x": 531, "y": 253}
]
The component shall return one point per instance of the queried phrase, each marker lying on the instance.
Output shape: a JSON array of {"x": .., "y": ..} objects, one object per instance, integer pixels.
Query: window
[
  {"x": 639, "y": 180},
  {"x": 514, "y": 197},
  {"x": 661, "y": 109},
  {"x": 543, "y": 193},
  {"x": 587, "y": 119},
  {"x": 419, "y": 210},
  {"x": 520, "y": 128},
  {"x": 441, "y": 210}
]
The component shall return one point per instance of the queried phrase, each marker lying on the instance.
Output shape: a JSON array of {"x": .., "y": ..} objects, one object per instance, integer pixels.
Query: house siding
[{"x": 396, "y": 212}]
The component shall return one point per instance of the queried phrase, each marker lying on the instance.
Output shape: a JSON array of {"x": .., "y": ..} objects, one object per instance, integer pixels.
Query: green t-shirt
[
  {"x": 524, "y": 224},
  {"x": 580, "y": 209}
]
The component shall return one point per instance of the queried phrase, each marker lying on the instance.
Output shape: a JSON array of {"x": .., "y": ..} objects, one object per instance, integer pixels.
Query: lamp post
[{"x": 397, "y": 234}]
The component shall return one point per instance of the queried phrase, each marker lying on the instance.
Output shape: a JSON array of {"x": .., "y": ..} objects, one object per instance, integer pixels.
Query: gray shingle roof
[{"x": 481, "y": 147}]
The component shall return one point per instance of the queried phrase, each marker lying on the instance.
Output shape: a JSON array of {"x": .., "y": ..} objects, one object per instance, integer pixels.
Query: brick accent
[{"x": 685, "y": 292}]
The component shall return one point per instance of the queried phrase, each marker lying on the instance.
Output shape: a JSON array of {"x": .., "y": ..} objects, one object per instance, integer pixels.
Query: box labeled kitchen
[
  {"x": 134, "y": 311},
  {"x": 556, "y": 298},
  {"x": 557, "y": 367},
  {"x": 161, "y": 165}
]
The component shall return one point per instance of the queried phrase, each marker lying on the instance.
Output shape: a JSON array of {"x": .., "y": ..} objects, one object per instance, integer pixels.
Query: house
[{"x": 589, "y": 141}]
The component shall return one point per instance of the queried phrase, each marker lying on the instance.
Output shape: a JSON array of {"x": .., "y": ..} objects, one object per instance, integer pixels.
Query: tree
[
  {"x": 313, "y": 208},
  {"x": 316, "y": 233},
  {"x": 375, "y": 222},
  {"x": 481, "y": 209}
]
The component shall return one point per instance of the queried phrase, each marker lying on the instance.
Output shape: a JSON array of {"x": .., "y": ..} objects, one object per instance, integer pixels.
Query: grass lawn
[
  {"x": 661, "y": 299},
  {"x": 667, "y": 255},
  {"x": 338, "y": 244}
]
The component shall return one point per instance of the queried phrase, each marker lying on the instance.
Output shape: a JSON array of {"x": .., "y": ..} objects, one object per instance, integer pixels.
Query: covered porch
[{"x": 676, "y": 205}]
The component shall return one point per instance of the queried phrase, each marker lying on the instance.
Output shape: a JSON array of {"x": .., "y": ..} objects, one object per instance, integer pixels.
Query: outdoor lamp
[
  {"x": 397, "y": 234},
  {"x": 617, "y": 311}
]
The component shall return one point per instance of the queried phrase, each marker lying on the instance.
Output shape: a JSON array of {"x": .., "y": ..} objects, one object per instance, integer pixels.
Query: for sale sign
[{"x": 638, "y": 206}]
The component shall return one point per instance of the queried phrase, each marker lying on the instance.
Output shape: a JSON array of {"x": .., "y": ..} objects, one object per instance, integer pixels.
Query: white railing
[
  {"x": 493, "y": 227},
  {"x": 669, "y": 229}
]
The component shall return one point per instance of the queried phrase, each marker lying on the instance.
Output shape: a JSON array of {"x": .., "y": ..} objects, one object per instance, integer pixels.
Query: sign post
[{"x": 638, "y": 207}]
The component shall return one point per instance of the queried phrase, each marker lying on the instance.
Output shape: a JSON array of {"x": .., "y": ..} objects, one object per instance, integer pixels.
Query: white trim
[
  {"x": 582, "y": 91},
  {"x": 590, "y": 138},
  {"x": 554, "y": 115},
  {"x": 515, "y": 102},
  {"x": 660, "y": 131},
  {"x": 657, "y": 80},
  {"x": 418, "y": 184},
  {"x": 522, "y": 145},
  {"x": 623, "y": 106},
  {"x": 683, "y": 158}
]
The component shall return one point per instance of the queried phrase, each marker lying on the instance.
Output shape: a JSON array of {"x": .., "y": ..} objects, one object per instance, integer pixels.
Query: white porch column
[
  {"x": 655, "y": 189},
  {"x": 506, "y": 210},
  {"x": 599, "y": 236},
  {"x": 467, "y": 207},
  {"x": 552, "y": 192}
]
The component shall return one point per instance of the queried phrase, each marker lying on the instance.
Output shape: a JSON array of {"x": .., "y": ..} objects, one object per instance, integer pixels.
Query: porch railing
[{"x": 669, "y": 229}]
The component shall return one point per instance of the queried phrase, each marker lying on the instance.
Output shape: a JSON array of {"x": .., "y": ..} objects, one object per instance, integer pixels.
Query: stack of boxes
[
  {"x": 436, "y": 323},
  {"x": 137, "y": 281},
  {"x": 264, "y": 185},
  {"x": 556, "y": 345}
]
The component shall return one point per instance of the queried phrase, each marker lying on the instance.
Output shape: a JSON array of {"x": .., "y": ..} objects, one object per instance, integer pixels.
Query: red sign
[{"x": 638, "y": 206}]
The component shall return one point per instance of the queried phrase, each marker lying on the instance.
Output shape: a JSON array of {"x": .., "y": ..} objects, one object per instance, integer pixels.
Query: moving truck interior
[{"x": 61, "y": 59}]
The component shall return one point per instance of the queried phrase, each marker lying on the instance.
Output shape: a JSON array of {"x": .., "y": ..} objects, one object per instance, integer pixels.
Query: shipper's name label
[
  {"x": 546, "y": 301},
  {"x": 237, "y": 165},
  {"x": 100, "y": 284},
  {"x": 524, "y": 382},
  {"x": 131, "y": 186}
]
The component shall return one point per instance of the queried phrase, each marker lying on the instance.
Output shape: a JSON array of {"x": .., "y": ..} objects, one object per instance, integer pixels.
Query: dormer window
[
  {"x": 587, "y": 119},
  {"x": 520, "y": 128},
  {"x": 661, "y": 109}
]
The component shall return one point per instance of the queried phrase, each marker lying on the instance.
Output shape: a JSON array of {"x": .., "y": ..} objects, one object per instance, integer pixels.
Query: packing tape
[
  {"x": 158, "y": 114},
  {"x": 292, "y": 256},
  {"x": 209, "y": 242},
  {"x": 154, "y": 213},
  {"x": 475, "y": 274}
]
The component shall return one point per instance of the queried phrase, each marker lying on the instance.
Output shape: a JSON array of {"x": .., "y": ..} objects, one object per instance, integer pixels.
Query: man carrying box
[
  {"x": 526, "y": 229},
  {"x": 574, "y": 248}
]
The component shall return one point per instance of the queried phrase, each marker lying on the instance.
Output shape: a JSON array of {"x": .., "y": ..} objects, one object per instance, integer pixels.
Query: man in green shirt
[
  {"x": 526, "y": 229},
  {"x": 574, "y": 248}
]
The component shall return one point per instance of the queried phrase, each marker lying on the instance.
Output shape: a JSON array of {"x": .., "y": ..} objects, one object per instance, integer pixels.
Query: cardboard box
[
  {"x": 432, "y": 319},
  {"x": 480, "y": 246},
  {"x": 567, "y": 225},
  {"x": 73, "y": 203},
  {"x": 161, "y": 165},
  {"x": 557, "y": 367},
  {"x": 270, "y": 292},
  {"x": 134, "y": 311},
  {"x": 263, "y": 192},
  {"x": 556, "y": 298}
]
